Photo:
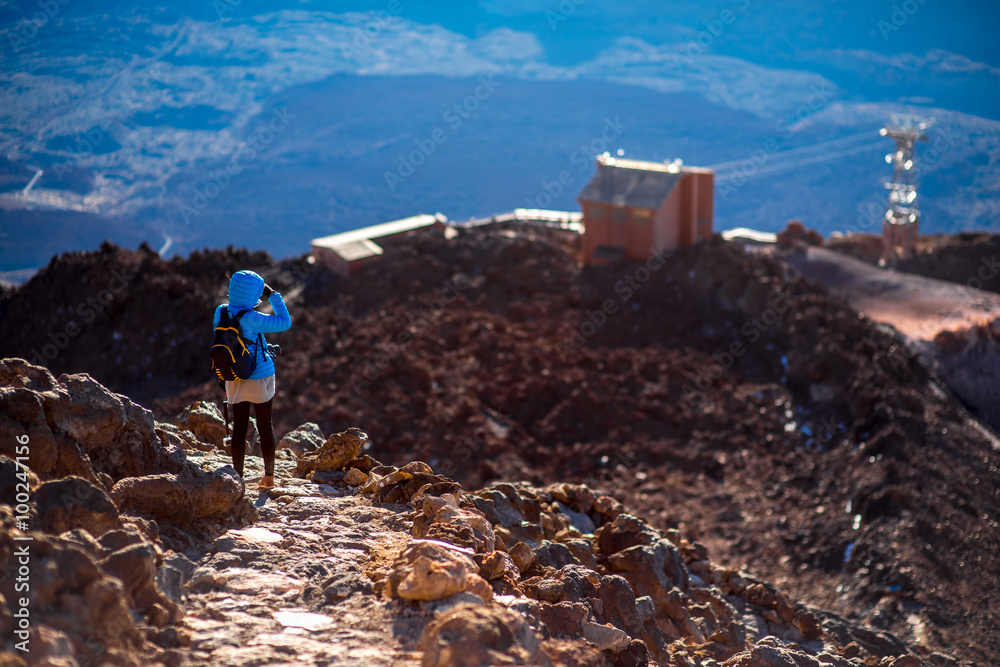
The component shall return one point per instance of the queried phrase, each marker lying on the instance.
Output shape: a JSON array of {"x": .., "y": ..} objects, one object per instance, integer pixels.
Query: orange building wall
[
  {"x": 673, "y": 225},
  {"x": 706, "y": 203},
  {"x": 667, "y": 233},
  {"x": 638, "y": 233}
]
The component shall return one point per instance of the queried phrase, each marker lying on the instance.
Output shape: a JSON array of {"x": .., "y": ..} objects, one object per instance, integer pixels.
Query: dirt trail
[
  {"x": 264, "y": 596},
  {"x": 918, "y": 307}
]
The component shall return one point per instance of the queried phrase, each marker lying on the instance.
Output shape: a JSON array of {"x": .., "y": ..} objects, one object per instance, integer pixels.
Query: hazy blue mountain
[{"x": 265, "y": 124}]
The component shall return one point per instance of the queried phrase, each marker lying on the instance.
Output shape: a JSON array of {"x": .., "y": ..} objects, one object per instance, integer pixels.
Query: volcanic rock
[
  {"x": 205, "y": 421},
  {"x": 472, "y": 636},
  {"x": 429, "y": 570},
  {"x": 655, "y": 569},
  {"x": 180, "y": 497},
  {"x": 623, "y": 532},
  {"x": 355, "y": 477},
  {"x": 756, "y": 453},
  {"x": 73, "y": 502},
  {"x": 464, "y": 527},
  {"x": 303, "y": 440},
  {"x": 339, "y": 449},
  {"x": 73, "y": 595}
]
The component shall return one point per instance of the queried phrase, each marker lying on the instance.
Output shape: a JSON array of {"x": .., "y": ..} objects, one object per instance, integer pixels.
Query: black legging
[{"x": 241, "y": 421}]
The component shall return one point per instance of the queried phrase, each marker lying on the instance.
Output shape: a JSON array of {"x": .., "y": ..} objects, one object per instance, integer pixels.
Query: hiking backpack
[{"x": 231, "y": 355}]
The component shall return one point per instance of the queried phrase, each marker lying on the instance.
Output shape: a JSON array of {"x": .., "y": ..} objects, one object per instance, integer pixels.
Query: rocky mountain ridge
[
  {"x": 146, "y": 548},
  {"x": 819, "y": 453}
]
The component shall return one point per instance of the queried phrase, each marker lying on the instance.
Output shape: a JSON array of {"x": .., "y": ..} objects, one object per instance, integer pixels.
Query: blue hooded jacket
[{"x": 245, "y": 289}]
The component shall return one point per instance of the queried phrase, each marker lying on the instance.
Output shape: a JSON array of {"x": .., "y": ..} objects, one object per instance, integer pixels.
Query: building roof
[
  {"x": 378, "y": 231},
  {"x": 569, "y": 220},
  {"x": 746, "y": 234},
  {"x": 355, "y": 250},
  {"x": 634, "y": 183}
]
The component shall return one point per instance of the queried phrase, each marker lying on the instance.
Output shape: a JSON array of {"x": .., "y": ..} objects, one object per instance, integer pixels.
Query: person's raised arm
[{"x": 280, "y": 321}]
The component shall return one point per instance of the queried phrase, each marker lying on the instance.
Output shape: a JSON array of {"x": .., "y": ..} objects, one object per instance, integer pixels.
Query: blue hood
[{"x": 245, "y": 288}]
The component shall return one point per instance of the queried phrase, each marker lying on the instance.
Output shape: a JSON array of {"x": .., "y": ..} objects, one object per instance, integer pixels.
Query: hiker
[{"x": 246, "y": 289}]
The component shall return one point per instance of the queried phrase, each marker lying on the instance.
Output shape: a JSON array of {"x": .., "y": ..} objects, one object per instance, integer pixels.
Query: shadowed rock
[
  {"x": 472, "y": 636},
  {"x": 303, "y": 440},
  {"x": 188, "y": 495},
  {"x": 74, "y": 502},
  {"x": 204, "y": 420},
  {"x": 624, "y": 532},
  {"x": 654, "y": 569},
  {"x": 77, "y": 427},
  {"x": 74, "y": 596}
]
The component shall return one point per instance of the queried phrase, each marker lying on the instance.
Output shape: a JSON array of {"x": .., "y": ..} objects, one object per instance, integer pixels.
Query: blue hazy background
[{"x": 265, "y": 124}]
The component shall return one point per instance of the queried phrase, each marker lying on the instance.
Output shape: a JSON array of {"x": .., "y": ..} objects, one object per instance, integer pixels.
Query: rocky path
[
  {"x": 295, "y": 588},
  {"x": 354, "y": 562},
  {"x": 918, "y": 307},
  {"x": 955, "y": 328}
]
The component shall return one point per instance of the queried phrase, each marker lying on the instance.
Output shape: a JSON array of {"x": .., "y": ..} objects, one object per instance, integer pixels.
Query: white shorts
[{"x": 251, "y": 391}]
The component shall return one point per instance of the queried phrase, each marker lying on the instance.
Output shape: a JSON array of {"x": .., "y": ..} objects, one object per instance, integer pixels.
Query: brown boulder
[
  {"x": 606, "y": 637},
  {"x": 185, "y": 496},
  {"x": 497, "y": 508},
  {"x": 523, "y": 556},
  {"x": 136, "y": 567},
  {"x": 770, "y": 652},
  {"x": 555, "y": 555},
  {"x": 444, "y": 521},
  {"x": 429, "y": 570},
  {"x": 618, "y": 605},
  {"x": 625, "y": 531},
  {"x": 564, "y": 619},
  {"x": 204, "y": 420},
  {"x": 78, "y": 427},
  {"x": 303, "y": 440},
  {"x": 471, "y": 636},
  {"x": 495, "y": 564},
  {"x": 652, "y": 569},
  {"x": 74, "y": 502},
  {"x": 175, "y": 436},
  {"x": 572, "y": 583},
  {"x": 355, "y": 477},
  {"x": 339, "y": 449},
  {"x": 71, "y": 594},
  {"x": 575, "y": 652}
]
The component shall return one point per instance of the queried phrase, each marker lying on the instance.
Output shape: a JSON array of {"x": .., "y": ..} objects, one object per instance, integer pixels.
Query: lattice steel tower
[{"x": 901, "y": 222}]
